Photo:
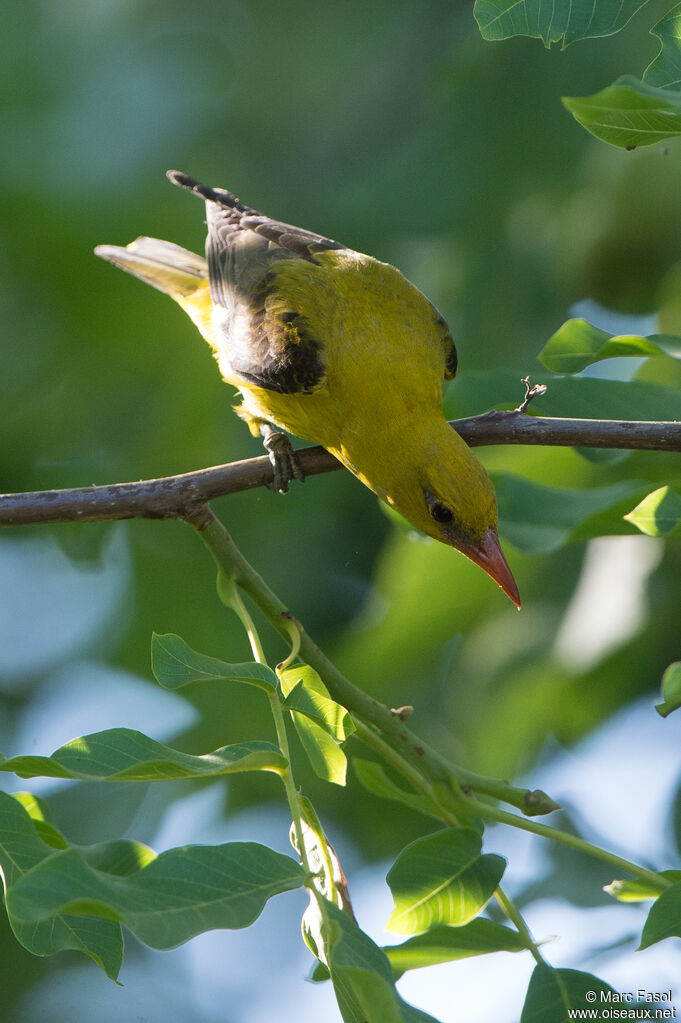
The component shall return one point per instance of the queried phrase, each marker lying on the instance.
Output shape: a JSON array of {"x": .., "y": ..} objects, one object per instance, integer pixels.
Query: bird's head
[{"x": 447, "y": 494}]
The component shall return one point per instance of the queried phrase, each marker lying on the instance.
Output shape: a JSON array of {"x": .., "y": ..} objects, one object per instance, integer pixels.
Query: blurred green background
[{"x": 396, "y": 129}]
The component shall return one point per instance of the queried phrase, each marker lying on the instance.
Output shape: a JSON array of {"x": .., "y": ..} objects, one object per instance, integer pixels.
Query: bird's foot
[{"x": 285, "y": 465}]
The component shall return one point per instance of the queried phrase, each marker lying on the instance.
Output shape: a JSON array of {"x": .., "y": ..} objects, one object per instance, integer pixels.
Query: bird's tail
[
  {"x": 168, "y": 267},
  {"x": 220, "y": 196}
]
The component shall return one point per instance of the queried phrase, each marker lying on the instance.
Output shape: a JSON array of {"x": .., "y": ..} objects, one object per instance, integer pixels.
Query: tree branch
[{"x": 177, "y": 496}]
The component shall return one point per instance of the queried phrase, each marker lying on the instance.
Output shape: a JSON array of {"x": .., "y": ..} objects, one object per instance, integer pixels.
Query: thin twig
[{"x": 176, "y": 496}]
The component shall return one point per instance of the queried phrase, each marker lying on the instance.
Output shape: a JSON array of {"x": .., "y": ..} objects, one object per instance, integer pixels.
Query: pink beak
[{"x": 489, "y": 556}]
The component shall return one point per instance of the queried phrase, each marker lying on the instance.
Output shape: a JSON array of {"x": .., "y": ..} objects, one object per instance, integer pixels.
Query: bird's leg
[{"x": 283, "y": 458}]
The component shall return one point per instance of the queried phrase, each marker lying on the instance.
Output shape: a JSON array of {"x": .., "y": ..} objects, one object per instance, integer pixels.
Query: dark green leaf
[
  {"x": 664, "y": 918},
  {"x": 563, "y": 21},
  {"x": 442, "y": 879},
  {"x": 553, "y": 993},
  {"x": 175, "y": 664},
  {"x": 658, "y": 514},
  {"x": 589, "y": 398},
  {"x": 581, "y": 397},
  {"x": 541, "y": 519},
  {"x": 181, "y": 893},
  {"x": 665, "y": 70},
  {"x": 306, "y": 693},
  {"x": 578, "y": 344},
  {"x": 442, "y": 944},
  {"x": 671, "y": 690},
  {"x": 637, "y": 890},
  {"x": 122, "y": 754},
  {"x": 22, "y": 851}
]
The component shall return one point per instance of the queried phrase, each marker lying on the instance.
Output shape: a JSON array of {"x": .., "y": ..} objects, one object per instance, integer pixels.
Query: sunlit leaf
[
  {"x": 578, "y": 344},
  {"x": 175, "y": 664},
  {"x": 181, "y": 893},
  {"x": 637, "y": 890},
  {"x": 374, "y": 779},
  {"x": 443, "y": 944},
  {"x": 671, "y": 690},
  {"x": 360, "y": 973},
  {"x": 658, "y": 514},
  {"x": 563, "y": 21},
  {"x": 21, "y": 852},
  {"x": 123, "y": 754},
  {"x": 306, "y": 693},
  {"x": 442, "y": 879},
  {"x": 553, "y": 993},
  {"x": 327, "y": 759},
  {"x": 629, "y": 113},
  {"x": 39, "y": 812},
  {"x": 664, "y": 918}
]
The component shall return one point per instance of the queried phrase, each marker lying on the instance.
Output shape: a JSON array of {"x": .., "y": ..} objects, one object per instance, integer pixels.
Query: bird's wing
[
  {"x": 451, "y": 359},
  {"x": 263, "y": 336},
  {"x": 266, "y": 337}
]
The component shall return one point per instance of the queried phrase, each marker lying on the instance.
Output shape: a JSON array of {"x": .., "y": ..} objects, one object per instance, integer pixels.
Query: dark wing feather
[
  {"x": 265, "y": 341},
  {"x": 448, "y": 345}
]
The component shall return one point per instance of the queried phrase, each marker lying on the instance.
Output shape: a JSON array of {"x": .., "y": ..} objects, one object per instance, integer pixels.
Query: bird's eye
[{"x": 440, "y": 512}]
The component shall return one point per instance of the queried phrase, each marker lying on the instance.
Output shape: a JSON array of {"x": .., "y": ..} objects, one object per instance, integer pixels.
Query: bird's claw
[{"x": 285, "y": 465}]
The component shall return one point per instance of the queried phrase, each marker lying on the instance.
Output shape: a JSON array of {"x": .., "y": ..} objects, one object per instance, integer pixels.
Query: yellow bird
[{"x": 335, "y": 347}]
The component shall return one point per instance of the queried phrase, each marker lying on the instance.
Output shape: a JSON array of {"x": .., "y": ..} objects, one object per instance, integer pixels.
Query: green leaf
[
  {"x": 181, "y": 893},
  {"x": 175, "y": 664},
  {"x": 302, "y": 685},
  {"x": 637, "y": 890},
  {"x": 360, "y": 972},
  {"x": 327, "y": 759},
  {"x": 442, "y": 944},
  {"x": 665, "y": 70},
  {"x": 563, "y": 21},
  {"x": 578, "y": 344},
  {"x": 39, "y": 812},
  {"x": 442, "y": 879},
  {"x": 658, "y": 514},
  {"x": 664, "y": 918},
  {"x": 629, "y": 113},
  {"x": 123, "y": 754},
  {"x": 120, "y": 857},
  {"x": 541, "y": 519},
  {"x": 22, "y": 851},
  {"x": 580, "y": 397},
  {"x": 373, "y": 778},
  {"x": 553, "y": 993},
  {"x": 306, "y": 693},
  {"x": 671, "y": 690},
  {"x": 609, "y": 399}
]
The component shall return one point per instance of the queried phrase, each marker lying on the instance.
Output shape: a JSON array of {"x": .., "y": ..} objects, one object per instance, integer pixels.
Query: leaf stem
[
  {"x": 230, "y": 596},
  {"x": 515, "y": 916},
  {"x": 493, "y": 813}
]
